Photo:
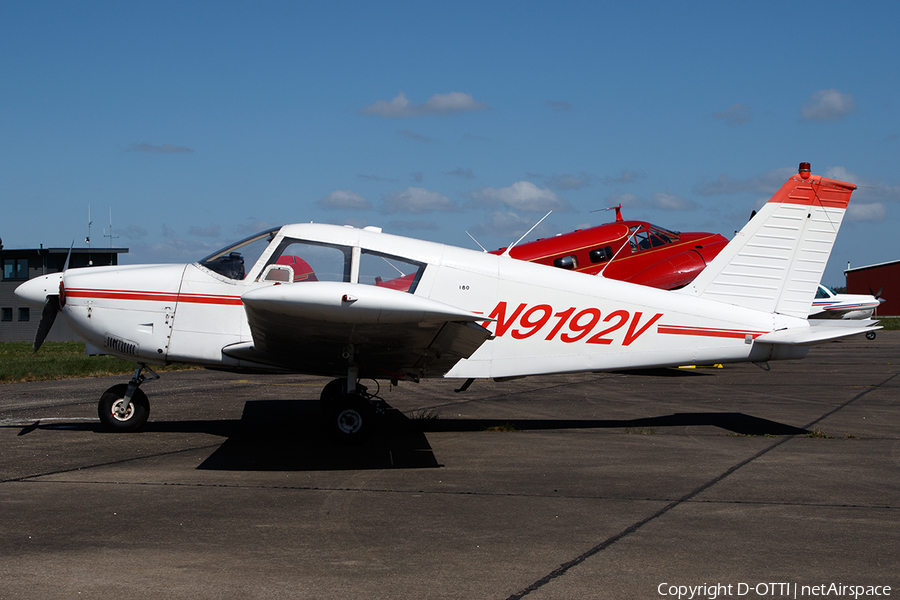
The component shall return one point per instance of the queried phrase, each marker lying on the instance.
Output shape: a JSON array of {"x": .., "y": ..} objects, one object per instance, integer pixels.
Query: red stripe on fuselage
[
  {"x": 153, "y": 296},
  {"x": 708, "y": 332}
]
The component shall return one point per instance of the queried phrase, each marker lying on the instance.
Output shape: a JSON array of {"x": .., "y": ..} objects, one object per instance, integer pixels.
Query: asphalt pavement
[{"x": 659, "y": 484}]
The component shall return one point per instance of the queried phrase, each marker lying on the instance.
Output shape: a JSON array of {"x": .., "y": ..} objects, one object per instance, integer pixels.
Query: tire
[
  {"x": 332, "y": 390},
  {"x": 350, "y": 419},
  {"x": 870, "y": 335},
  {"x": 138, "y": 409}
]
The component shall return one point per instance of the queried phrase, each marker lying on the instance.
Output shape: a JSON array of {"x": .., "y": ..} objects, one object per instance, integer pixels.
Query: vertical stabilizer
[{"x": 775, "y": 263}]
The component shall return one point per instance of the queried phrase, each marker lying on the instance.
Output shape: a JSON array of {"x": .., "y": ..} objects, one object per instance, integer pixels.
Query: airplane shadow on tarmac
[{"x": 287, "y": 435}]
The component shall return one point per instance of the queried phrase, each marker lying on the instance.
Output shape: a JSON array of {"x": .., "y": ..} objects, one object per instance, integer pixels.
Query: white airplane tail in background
[{"x": 775, "y": 263}]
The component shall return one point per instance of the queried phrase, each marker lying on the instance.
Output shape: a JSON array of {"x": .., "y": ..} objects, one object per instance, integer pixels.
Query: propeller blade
[
  {"x": 48, "y": 315},
  {"x": 68, "y": 256}
]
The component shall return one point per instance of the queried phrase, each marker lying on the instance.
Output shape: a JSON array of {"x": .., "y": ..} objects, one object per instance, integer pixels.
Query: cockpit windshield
[
  {"x": 645, "y": 237},
  {"x": 824, "y": 292},
  {"x": 234, "y": 260}
]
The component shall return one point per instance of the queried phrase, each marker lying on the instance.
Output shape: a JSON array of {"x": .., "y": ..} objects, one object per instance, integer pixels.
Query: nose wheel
[
  {"x": 115, "y": 416},
  {"x": 125, "y": 407}
]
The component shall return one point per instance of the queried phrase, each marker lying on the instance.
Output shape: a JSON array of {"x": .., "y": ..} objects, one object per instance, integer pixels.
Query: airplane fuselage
[{"x": 543, "y": 320}]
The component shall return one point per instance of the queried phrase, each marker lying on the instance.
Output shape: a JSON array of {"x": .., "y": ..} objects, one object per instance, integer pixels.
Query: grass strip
[{"x": 60, "y": 360}]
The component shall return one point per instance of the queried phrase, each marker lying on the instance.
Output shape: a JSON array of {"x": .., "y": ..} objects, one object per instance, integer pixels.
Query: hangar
[{"x": 870, "y": 279}]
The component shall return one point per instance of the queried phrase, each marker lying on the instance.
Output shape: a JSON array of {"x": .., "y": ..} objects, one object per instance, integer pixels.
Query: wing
[{"x": 314, "y": 327}]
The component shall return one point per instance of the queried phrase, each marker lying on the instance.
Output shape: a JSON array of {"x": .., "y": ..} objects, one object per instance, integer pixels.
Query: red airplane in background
[{"x": 633, "y": 251}]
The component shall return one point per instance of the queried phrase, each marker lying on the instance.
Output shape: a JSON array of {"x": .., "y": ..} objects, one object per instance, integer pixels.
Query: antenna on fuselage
[
  {"x": 476, "y": 241},
  {"x": 627, "y": 243},
  {"x": 513, "y": 245},
  {"x": 618, "y": 210}
]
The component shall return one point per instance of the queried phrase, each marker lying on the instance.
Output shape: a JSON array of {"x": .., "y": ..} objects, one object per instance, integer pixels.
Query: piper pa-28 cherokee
[{"x": 361, "y": 304}]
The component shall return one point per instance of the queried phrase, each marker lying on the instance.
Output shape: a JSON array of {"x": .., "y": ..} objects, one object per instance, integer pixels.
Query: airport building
[
  {"x": 19, "y": 321},
  {"x": 871, "y": 279}
]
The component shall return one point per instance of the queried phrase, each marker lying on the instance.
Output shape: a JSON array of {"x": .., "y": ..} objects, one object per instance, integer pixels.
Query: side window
[
  {"x": 297, "y": 261},
  {"x": 598, "y": 255},
  {"x": 389, "y": 271},
  {"x": 566, "y": 262}
]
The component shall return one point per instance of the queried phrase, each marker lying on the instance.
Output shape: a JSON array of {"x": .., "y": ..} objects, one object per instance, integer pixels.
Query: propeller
[
  {"x": 878, "y": 295},
  {"x": 50, "y": 310},
  {"x": 48, "y": 315}
]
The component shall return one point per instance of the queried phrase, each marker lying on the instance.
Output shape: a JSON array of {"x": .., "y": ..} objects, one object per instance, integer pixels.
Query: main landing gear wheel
[
  {"x": 350, "y": 418},
  {"x": 109, "y": 409},
  {"x": 870, "y": 335},
  {"x": 332, "y": 390}
]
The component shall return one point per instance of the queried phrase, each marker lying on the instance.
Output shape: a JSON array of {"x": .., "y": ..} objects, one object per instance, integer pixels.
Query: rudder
[{"x": 775, "y": 263}]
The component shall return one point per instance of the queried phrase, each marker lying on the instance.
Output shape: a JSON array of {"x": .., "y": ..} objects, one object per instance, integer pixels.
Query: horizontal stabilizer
[{"x": 818, "y": 331}]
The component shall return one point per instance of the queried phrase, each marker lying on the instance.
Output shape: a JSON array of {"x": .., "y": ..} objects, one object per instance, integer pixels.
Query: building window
[
  {"x": 6, "y": 314},
  {"x": 15, "y": 268},
  {"x": 24, "y": 313}
]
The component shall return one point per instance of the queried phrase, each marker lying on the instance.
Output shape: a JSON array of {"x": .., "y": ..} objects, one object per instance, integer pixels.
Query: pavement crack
[
  {"x": 108, "y": 463},
  {"x": 567, "y": 566}
]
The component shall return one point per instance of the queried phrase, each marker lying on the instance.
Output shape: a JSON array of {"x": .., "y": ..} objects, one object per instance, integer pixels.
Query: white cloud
[
  {"x": 344, "y": 200},
  {"x": 133, "y": 232},
  {"x": 827, "y": 105},
  {"x": 626, "y": 200},
  {"x": 416, "y": 200},
  {"x": 868, "y": 190},
  {"x": 670, "y": 201},
  {"x": 658, "y": 200},
  {"x": 625, "y": 176},
  {"x": 866, "y": 212},
  {"x": 213, "y": 231},
  {"x": 768, "y": 182},
  {"x": 414, "y": 226},
  {"x": 737, "y": 114},
  {"x": 438, "y": 104},
  {"x": 567, "y": 181},
  {"x": 252, "y": 226},
  {"x": 522, "y": 195},
  {"x": 509, "y": 226}
]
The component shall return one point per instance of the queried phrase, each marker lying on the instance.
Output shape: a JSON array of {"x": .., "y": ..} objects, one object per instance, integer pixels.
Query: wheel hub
[
  {"x": 117, "y": 413},
  {"x": 349, "y": 421}
]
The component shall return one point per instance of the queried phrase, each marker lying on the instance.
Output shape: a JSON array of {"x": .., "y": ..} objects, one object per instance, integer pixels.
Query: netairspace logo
[{"x": 771, "y": 590}]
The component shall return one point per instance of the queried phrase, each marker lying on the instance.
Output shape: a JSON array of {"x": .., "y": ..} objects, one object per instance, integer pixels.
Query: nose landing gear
[{"x": 124, "y": 407}]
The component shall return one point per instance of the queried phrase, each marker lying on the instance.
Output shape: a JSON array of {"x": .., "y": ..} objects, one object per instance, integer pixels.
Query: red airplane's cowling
[{"x": 633, "y": 251}]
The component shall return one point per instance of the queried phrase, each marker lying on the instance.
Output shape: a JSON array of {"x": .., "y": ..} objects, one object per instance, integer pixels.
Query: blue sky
[{"x": 197, "y": 123}]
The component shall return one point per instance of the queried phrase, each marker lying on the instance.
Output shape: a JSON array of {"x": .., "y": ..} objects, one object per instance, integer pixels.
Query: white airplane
[
  {"x": 828, "y": 304},
  {"x": 361, "y": 304}
]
